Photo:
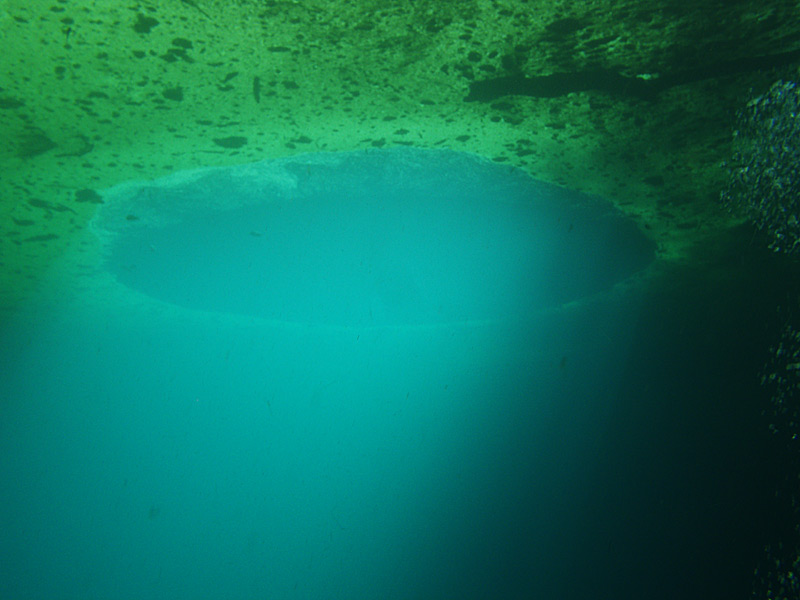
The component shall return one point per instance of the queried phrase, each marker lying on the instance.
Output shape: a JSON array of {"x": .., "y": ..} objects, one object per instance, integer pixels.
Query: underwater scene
[{"x": 394, "y": 299}]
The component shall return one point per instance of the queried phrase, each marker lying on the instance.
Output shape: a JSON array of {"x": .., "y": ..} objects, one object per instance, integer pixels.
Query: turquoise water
[
  {"x": 383, "y": 238},
  {"x": 424, "y": 420}
]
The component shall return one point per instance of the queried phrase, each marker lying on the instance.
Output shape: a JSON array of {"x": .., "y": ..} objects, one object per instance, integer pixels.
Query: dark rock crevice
[{"x": 613, "y": 82}]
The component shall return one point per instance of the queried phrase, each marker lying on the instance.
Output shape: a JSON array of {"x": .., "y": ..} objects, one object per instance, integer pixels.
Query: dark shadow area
[
  {"x": 696, "y": 465},
  {"x": 613, "y": 82}
]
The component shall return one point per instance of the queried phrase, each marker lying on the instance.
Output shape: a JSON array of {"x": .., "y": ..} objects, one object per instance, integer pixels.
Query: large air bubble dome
[{"x": 369, "y": 238}]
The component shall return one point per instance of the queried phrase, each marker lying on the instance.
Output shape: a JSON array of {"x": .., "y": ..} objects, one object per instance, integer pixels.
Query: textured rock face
[{"x": 95, "y": 93}]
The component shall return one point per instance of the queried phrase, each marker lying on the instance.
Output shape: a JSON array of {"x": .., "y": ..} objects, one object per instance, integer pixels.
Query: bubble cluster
[
  {"x": 764, "y": 187},
  {"x": 764, "y": 173},
  {"x": 781, "y": 376},
  {"x": 778, "y": 576}
]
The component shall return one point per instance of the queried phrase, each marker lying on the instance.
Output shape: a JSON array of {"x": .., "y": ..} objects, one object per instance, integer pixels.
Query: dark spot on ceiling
[
  {"x": 144, "y": 24},
  {"x": 175, "y": 94},
  {"x": 88, "y": 195},
  {"x": 33, "y": 143},
  {"x": 10, "y": 103},
  {"x": 182, "y": 43},
  {"x": 231, "y": 142}
]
